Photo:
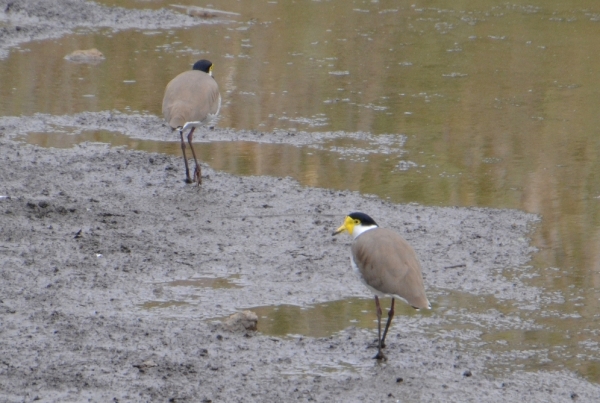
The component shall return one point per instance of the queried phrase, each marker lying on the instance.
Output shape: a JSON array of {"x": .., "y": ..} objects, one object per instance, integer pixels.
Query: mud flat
[
  {"x": 22, "y": 21},
  {"x": 88, "y": 234}
]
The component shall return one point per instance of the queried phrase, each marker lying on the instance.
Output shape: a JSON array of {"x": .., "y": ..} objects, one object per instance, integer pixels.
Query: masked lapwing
[
  {"x": 387, "y": 264},
  {"x": 192, "y": 100}
]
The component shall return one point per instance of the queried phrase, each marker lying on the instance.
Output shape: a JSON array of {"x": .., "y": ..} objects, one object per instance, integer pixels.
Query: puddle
[
  {"x": 321, "y": 320},
  {"x": 187, "y": 293},
  {"x": 515, "y": 337},
  {"x": 310, "y": 166}
]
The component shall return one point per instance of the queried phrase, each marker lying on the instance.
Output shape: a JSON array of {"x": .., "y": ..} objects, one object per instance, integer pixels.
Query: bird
[
  {"x": 192, "y": 100},
  {"x": 388, "y": 266}
]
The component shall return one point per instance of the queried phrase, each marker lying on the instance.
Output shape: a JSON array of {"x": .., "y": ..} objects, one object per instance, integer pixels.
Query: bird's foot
[
  {"x": 380, "y": 356},
  {"x": 188, "y": 180}
]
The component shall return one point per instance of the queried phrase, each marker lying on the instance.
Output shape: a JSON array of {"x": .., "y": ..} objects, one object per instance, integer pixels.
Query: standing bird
[
  {"x": 387, "y": 264},
  {"x": 192, "y": 100}
]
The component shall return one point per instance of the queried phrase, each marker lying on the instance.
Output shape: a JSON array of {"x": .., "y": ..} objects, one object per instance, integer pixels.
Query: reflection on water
[
  {"x": 311, "y": 167},
  {"x": 498, "y": 103},
  {"x": 322, "y": 320}
]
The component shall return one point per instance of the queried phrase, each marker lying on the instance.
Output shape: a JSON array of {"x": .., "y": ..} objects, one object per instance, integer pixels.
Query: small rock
[
  {"x": 241, "y": 321},
  {"x": 200, "y": 13},
  {"x": 85, "y": 56},
  {"x": 467, "y": 373}
]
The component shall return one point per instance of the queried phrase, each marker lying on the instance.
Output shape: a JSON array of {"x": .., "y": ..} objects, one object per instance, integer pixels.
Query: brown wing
[
  {"x": 390, "y": 265},
  {"x": 190, "y": 97}
]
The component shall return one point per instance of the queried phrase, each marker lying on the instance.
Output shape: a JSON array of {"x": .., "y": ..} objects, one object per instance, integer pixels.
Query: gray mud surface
[{"x": 89, "y": 234}]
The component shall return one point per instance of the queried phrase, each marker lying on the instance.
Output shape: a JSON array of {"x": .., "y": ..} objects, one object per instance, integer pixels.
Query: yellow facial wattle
[{"x": 348, "y": 225}]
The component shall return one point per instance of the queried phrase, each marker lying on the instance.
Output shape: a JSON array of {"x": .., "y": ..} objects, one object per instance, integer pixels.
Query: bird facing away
[
  {"x": 387, "y": 264},
  {"x": 192, "y": 100}
]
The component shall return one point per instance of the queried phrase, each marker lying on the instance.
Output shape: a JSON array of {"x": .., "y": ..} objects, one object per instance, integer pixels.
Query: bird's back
[
  {"x": 389, "y": 265},
  {"x": 192, "y": 96}
]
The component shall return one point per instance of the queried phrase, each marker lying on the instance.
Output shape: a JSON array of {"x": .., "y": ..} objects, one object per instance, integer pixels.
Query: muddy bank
[
  {"x": 26, "y": 20},
  {"x": 149, "y": 127},
  {"x": 87, "y": 234}
]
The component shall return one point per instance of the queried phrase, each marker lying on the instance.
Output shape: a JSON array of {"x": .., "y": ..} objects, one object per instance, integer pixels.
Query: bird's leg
[
  {"x": 187, "y": 170},
  {"x": 387, "y": 325},
  {"x": 197, "y": 171},
  {"x": 380, "y": 355}
]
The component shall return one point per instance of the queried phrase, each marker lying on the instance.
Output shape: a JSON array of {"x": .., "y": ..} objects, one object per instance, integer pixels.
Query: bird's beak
[
  {"x": 348, "y": 225},
  {"x": 339, "y": 230}
]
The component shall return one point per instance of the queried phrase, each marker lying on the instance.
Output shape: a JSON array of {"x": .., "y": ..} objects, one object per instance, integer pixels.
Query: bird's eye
[{"x": 356, "y": 222}]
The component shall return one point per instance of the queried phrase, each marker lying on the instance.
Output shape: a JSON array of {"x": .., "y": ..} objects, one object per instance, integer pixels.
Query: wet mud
[
  {"x": 26, "y": 20},
  {"x": 88, "y": 235}
]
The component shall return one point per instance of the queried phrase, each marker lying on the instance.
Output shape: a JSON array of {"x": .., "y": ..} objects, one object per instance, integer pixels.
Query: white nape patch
[{"x": 359, "y": 229}]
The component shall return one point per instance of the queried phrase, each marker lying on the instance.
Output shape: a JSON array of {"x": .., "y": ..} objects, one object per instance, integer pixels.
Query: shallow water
[{"x": 498, "y": 103}]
